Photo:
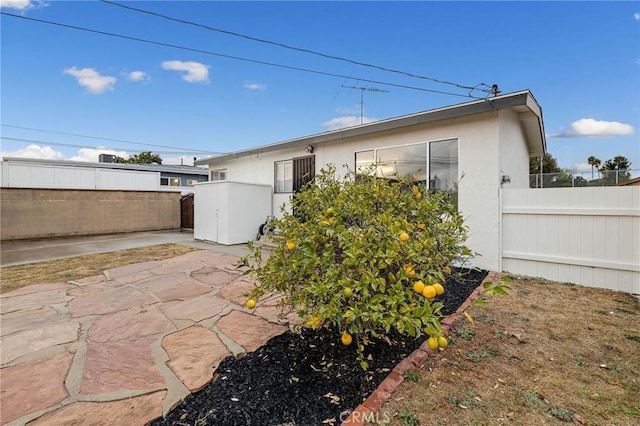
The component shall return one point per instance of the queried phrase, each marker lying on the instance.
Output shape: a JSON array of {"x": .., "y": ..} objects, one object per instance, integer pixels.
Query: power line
[
  {"x": 90, "y": 147},
  {"x": 238, "y": 58},
  {"x": 286, "y": 46},
  {"x": 109, "y": 139}
]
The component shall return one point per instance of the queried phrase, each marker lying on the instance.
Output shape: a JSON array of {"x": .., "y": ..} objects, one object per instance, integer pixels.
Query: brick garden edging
[{"x": 369, "y": 408}]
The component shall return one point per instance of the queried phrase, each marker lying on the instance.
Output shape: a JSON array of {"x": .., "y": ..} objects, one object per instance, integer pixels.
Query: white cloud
[
  {"x": 348, "y": 111},
  {"x": 346, "y": 121},
  {"x": 91, "y": 79},
  {"x": 93, "y": 154},
  {"x": 138, "y": 76},
  {"x": 195, "y": 71},
  {"x": 636, "y": 16},
  {"x": 35, "y": 151},
  {"x": 595, "y": 128},
  {"x": 582, "y": 167},
  {"x": 254, "y": 86},
  {"x": 20, "y": 4}
]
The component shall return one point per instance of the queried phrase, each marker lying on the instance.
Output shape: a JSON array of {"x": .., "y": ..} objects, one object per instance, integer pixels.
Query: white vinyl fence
[{"x": 586, "y": 236}]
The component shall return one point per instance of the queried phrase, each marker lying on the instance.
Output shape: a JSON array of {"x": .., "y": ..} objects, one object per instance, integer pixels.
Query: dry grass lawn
[
  {"x": 14, "y": 277},
  {"x": 548, "y": 353}
]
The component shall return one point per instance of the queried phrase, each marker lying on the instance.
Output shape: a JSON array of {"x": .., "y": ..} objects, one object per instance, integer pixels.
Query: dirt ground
[
  {"x": 62, "y": 270},
  {"x": 548, "y": 353}
]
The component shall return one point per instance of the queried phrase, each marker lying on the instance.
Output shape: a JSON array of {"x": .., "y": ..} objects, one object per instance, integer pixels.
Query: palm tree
[{"x": 593, "y": 161}]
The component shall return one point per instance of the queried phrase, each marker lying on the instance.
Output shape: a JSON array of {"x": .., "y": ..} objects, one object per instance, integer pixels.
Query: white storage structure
[{"x": 230, "y": 212}]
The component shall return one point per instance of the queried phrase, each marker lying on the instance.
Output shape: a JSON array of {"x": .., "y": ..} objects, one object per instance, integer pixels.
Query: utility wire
[
  {"x": 286, "y": 46},
  {"x": 86, "y": 146},
  {"x": 109, "y": 139},
  {"x": 206, "y": 52}
]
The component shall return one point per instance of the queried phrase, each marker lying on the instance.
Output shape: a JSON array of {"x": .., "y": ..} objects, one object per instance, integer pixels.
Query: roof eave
[{"x": 517, "y": 99}]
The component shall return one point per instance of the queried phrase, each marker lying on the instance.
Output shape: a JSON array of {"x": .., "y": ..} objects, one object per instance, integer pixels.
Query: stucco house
[{"x": 470, "y": 149}]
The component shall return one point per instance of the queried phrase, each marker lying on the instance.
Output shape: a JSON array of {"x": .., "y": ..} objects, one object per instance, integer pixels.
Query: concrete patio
[{"x": 125, "y": 346}]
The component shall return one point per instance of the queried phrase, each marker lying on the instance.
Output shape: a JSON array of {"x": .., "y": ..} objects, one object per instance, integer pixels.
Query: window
[
  {"x": 283, "y": 174},
  {"x": 437, "y": 159},
  {"x": 217, "y": 175},
  {"x": 192, "y": 181},
  {"x": 443, "y": 166},
  {"x": 170, "y": 181}
]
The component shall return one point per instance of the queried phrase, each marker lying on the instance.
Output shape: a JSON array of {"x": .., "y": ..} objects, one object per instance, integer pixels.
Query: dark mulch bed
[{"x": 303, "y": 379}]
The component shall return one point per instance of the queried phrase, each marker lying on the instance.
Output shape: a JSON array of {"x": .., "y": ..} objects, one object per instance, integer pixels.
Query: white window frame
[
  {"x": 218, "y": 175},
  {"x": 283, "y": 177},
  {"x": 170, "y": 180}
]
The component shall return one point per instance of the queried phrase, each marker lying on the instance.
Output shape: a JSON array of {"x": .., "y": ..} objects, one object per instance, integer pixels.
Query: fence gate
[{"x": 186, "y": 211}]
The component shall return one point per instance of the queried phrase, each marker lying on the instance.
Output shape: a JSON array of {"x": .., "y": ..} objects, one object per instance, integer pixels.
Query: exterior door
[
  {"x": 304, "y": 170},
  {"x": 186, "y": 211}
]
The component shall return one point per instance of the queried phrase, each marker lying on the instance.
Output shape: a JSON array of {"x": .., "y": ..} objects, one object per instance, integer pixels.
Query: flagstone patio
[{"x": 125, "y": 346}]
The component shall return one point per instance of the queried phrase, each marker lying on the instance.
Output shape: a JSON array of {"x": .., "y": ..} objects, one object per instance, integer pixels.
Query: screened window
[
  {"x": 283, "y": 174},
  {"x": 217, "y": 175}
]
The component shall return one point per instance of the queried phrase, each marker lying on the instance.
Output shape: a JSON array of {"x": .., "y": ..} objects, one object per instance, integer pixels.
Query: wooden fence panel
[{"x": 587, "y": 236}]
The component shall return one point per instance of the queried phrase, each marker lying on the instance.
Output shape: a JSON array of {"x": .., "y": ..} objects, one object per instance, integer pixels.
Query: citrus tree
[{"x": 363, "y": 256}]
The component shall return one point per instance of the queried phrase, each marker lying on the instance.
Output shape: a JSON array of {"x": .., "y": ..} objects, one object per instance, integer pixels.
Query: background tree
[
  {"x": 616, "y": 169},
  {"x": 145, "y": 157},
  {"x": 593, "y": 162},
  {"x": 552, "y": 174}
]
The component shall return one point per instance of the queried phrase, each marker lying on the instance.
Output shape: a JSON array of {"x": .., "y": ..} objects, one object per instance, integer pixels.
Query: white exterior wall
[
  {"x": 24, "y": 175},
  {"x": 586, "y": 236},
  {"x": 514, "y": 155},
  {"x": 478, "y": 145}
]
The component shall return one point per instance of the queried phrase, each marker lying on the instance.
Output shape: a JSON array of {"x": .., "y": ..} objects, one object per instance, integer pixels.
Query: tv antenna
[{"x": 362, "y": 90}]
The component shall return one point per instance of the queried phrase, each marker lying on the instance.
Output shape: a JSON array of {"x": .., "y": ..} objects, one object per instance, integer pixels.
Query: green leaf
[{"x": 479, "y": 302}]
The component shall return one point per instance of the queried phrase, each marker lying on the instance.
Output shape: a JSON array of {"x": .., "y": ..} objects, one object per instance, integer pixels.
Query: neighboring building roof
[
  {"x": 168, "y": 168},
  {"x": 630, "y": 182},
  {"x": 522, "y": 102}
]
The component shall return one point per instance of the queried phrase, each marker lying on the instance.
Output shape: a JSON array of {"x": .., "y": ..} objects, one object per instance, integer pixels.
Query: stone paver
[
  {"x": 234, "y": 292},
  {"x": 35, "y": 288},
  {"x": 33, "y": 386},
  {"x": 195, "y": 353},
  {"x": 197, "y": 309},
  {"x": 132, "y": 269},
  {"x": 117, "y": 366},
  {"x": 174, "y": 288},
  {"x": 173, "y": 267},
  {"x": 26, "y": 302},
  {"x": 28, "y": 341},
  {"x": 214, "y": 276},
  {"x": 94, "y": 279},
  {"x": 109, "y": 301},
  {"x": 131, "y": 411},
  {"x": 18, "y": 321},
  {"x": 129, "y": 324},
  {"x": 249, "y": 331}
]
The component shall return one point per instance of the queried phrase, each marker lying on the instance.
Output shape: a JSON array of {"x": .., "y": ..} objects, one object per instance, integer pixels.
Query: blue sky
[{"x": 581, "y": 60}]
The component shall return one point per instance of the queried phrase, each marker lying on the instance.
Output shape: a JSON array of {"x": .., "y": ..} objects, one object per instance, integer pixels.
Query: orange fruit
[
  {"x": 291, "y": 245},
  {"x": 251, "y": 303},
  {"x": 442, "y": 342},
  {"x": 429, "y": 292},
  {"x": 404, "y": 237},
  {"x": 421, "y": 225},
  {"x": 439, "y": 288},
  {"x": 418, "y": 286},
  {"x": 347, "y": 292},
  {"x": 447, "y": 270},
  {"x": 418, "y": 194},
  {"x": 432, "y": 342},
  {"x": 346, "y": 339}
]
